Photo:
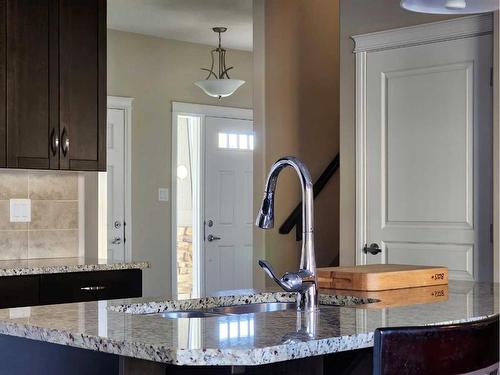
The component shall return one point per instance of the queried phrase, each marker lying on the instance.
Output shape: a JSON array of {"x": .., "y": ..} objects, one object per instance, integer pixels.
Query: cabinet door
[
  {"x": 31, "y": 84},
  {"x": 3, "y": 84},
  {"x": 82, "y": 59},
  {"x": 16, "y": 291}
]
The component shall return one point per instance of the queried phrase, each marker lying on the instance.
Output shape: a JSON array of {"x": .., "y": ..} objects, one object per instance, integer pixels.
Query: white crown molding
[
  {"x": 119, "y": 102},
  {"x": 456, "y": 28}
]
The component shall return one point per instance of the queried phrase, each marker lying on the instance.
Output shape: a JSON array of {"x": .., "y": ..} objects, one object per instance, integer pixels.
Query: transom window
[{"x": 235, "y": 141}]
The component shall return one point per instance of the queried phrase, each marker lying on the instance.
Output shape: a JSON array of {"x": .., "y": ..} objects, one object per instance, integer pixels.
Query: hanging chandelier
[
  {"x": 450, "y": 6},
  {"x": 219, "y": 85}
]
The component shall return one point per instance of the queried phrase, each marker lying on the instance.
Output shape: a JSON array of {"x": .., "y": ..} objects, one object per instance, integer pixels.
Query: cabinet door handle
[
  {"x": 65, "y": 142},
  {"x": 92, "y": 288},
  {"x": 54, "y": 142}
]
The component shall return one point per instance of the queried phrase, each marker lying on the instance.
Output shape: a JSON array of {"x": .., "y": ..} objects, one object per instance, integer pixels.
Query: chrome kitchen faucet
[{"x": 304, "y": 281}]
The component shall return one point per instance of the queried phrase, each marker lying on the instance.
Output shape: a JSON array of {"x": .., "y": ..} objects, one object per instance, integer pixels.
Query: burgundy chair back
[{"x": 466, "y": 348}]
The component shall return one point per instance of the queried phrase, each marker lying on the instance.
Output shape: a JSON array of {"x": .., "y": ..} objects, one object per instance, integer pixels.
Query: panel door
[
  {"x": 31, "y": 84},
  {"x": 228, "y": 204},
  {"x": 428, "y": 155},
  {"x": 83, "y": 84},
  {"x": 116, "y": 184}
]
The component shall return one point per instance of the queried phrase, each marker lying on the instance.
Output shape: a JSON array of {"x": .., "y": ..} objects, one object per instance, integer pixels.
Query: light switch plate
[
  {"x": 163, "y": 194},
  {"x": 20, "y": 210}
]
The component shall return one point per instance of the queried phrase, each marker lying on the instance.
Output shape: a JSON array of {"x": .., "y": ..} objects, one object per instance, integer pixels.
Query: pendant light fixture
[
  {"x": 219, "y": 85},
  {"x": 450, "y": 6}
]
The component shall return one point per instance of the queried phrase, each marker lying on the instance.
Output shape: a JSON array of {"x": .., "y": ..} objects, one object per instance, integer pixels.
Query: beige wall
[
  {"x": 359, "y": 17},
  {"x": 156, "y": 72},
  {"x": 54, "y": 228},
  {"x": 300, "y": 117}
]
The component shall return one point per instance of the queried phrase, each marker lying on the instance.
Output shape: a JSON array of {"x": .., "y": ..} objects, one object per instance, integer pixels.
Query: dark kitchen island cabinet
[{"x": 32, "y": 290}]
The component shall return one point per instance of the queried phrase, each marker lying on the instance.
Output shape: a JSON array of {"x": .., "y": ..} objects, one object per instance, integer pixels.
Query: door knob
[
  {"x": 373, "y": 249},
  {"x": 116, "y": 241},
  {"x": 211, "y": 238}
]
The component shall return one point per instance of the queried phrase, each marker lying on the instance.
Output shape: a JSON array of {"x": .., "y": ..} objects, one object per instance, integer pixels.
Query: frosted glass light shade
[
  {"x": 450, "y": 6},
  {"x": 219, "y": 88}
]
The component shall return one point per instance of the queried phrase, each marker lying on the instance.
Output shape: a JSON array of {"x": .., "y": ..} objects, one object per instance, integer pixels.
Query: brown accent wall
[{"x": 300, "y": 118}]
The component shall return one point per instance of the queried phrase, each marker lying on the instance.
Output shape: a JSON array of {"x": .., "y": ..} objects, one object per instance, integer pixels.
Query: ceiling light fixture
[
  {"x": 221, "y": 85},
  {"x": 450, "y": 6}
]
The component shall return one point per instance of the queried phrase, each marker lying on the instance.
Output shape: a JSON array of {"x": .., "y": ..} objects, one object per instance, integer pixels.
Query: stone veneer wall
[
  {"x": 53, "y": 231},
  {"x": 184, "y": 260}
]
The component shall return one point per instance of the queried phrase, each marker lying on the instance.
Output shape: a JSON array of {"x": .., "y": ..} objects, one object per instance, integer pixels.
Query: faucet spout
[{"x": 308, "y": 294}]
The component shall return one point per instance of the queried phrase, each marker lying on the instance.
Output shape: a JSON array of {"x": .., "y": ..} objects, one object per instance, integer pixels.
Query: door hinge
[{"x": 491, "y": 77}]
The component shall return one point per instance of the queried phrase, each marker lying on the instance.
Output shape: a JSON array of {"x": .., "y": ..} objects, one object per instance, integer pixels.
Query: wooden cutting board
[{"x": 375, "y": 277}]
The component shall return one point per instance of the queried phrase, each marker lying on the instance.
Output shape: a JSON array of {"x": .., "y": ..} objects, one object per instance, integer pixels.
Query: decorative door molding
[{"x": 457, "y": 28}]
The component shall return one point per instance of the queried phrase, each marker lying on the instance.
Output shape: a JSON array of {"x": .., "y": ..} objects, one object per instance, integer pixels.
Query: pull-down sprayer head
[{"x": 265, "y": 218}]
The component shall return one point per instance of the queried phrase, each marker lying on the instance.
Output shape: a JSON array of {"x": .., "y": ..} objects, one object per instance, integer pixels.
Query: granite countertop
[
  {"x": 63, "y": 265},
  {"x": 249, "y": 339}
]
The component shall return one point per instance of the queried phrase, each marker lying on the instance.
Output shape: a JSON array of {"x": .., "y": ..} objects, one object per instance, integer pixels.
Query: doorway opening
[
  {"x": 187, "y": 202},
  {"x": 114, "y": 187},
  {"x": 212, "y": 159}
]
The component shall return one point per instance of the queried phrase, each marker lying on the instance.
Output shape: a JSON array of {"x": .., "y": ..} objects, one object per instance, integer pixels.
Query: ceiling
[{"x": 185, "y": 20}]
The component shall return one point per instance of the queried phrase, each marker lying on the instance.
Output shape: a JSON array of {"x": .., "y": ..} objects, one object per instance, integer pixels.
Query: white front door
[
  {"x": 428, "y": 155},
  {"x": 228, "y": 204},
  {"x": 116, "y": 184}
]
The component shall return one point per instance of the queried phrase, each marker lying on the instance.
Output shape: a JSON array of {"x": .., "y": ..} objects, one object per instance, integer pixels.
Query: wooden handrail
[{"x": 295, "y": 218}]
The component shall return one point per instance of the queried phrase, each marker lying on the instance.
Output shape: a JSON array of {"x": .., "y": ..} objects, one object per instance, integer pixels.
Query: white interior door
[
  {"x": 116, "y": 184},
  {"x": 228, "y": 204},
  {"x": 429, "y": 154}
]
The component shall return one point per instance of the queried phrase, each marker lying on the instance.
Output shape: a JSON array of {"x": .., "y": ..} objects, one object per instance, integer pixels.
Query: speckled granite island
[{"x": 127, "y": 334}]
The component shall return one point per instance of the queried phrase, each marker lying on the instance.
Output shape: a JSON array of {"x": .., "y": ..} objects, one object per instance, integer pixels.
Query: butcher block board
[{"x": 374, "y": 277}]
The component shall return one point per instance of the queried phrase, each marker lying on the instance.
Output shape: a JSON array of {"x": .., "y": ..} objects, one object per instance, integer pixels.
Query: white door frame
[
  {"x": 457, "y": 28},
  {"x": 201, "y": 111},
  {"x": 125, "y": 104}
]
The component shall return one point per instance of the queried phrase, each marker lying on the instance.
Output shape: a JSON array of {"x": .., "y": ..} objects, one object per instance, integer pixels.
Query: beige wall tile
[
  {"x": 13, "y": 245},
  {"x": 53, "y": 215},
  {"x": 53, "y": 185},
  {"x": 5, "y": 223},
  {"x": 53, "y": 243},
  {"x": 13, "y": 184},
  {"x": 53, "y": 231}
]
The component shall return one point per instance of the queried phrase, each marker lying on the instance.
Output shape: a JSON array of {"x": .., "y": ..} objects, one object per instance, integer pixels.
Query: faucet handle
[
  {"x": 290, "y": 281},
  {"x": 266, "y": 266}
]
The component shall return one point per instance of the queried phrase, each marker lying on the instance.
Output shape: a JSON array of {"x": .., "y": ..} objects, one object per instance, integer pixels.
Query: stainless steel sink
[
  {"x": 229, "y": 310},
  {"x": 254, "y": 308},
  {"x": 187, "y": 314}
]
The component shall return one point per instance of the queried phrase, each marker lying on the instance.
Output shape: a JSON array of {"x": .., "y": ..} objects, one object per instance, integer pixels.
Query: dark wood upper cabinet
[
  {"x": 53, "y": 84},
  {"x": 3, "y": 84},
  {"x": 29, "y": 98},
  {"x": 82, "y": 58}
]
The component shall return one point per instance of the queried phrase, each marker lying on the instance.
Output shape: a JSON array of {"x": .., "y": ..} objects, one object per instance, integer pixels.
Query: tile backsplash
[{"x": 54, "y": 228}]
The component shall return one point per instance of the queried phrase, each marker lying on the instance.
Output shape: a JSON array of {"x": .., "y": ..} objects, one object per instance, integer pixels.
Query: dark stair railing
[{"x": 295, "y": 218}]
